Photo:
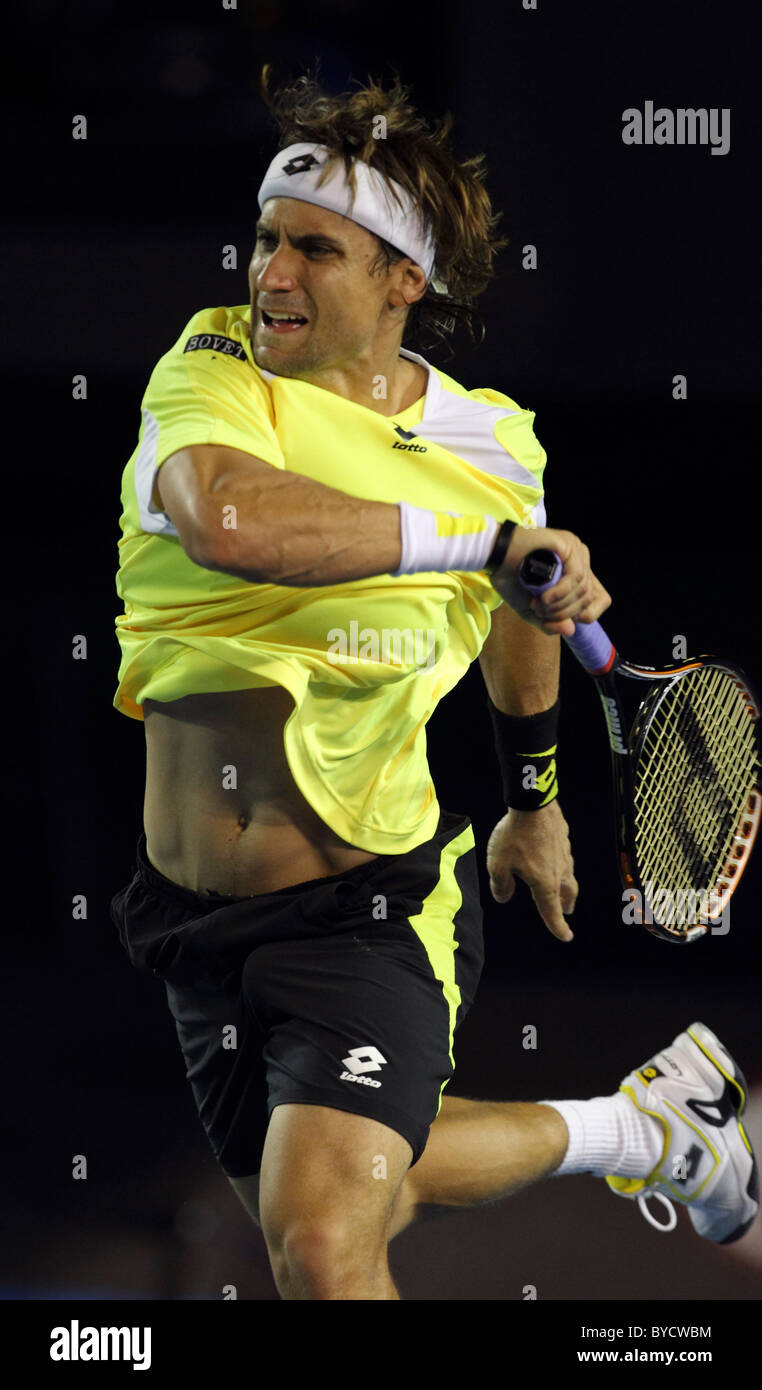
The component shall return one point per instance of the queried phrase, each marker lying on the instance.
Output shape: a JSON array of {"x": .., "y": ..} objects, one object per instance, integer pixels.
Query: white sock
[{"x": 609, "y": 1135}]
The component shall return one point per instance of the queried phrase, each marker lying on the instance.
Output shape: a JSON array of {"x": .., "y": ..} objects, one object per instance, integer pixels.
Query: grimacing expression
[{"x": 313, "y": 264}]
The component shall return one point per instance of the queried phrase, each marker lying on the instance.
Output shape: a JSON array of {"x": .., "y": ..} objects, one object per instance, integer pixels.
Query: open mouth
[{"x": 282, "y": 323}]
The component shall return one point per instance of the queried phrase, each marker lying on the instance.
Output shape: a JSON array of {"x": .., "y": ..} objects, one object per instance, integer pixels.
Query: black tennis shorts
[{"x": 344, "y": 991}]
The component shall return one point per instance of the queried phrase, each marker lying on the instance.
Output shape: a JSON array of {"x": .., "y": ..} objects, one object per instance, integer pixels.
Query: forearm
[
  {"x": 520, "y": 665},
  {"x": 301, "y": 533}
]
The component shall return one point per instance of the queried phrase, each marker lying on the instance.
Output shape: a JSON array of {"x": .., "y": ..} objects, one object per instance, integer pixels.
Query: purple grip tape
[{"x": 592, "y": 648}]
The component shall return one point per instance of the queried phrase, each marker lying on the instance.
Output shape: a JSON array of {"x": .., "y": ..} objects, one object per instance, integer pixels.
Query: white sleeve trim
[{"x": 151, "y": 519}]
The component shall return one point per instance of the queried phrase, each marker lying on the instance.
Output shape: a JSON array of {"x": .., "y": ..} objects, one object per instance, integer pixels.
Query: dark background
[{"x": 647, "y": 268}]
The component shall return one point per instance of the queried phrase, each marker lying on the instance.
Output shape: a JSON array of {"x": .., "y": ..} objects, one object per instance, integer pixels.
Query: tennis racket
[{"x": 687, "y": 787}]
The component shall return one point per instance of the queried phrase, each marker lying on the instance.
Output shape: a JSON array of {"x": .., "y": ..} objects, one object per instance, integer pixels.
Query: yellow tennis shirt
[{"x": 366, "y": 662}]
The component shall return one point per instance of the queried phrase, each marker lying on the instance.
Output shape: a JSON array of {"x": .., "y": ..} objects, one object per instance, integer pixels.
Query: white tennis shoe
[{"x": 698, "y": 1094}]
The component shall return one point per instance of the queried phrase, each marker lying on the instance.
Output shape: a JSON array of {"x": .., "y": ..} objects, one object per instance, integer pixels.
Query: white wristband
[{"x": 440, "y": 541}]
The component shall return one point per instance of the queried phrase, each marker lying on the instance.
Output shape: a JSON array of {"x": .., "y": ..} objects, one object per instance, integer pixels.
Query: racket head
[{"x": 696, "y": 796}]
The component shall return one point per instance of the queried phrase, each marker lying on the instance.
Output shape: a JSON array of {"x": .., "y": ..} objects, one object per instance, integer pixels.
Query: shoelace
[{"x": 643, "y": 1198}]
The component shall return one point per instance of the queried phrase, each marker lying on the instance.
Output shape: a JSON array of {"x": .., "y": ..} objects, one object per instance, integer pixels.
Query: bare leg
[
  {"x": 480, "y": 1151},
  {"x": 329, "y": 1181}
]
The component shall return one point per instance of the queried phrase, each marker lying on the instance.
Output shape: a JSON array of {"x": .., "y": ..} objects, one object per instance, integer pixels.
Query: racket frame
[{"x": 625, "y": 749}]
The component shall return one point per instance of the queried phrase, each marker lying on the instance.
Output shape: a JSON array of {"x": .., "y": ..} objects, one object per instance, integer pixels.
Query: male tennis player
[{"x": 321, "y": 531}]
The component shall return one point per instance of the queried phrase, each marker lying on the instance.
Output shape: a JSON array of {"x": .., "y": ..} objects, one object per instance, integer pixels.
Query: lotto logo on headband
[{"x": 300, "y": 164}]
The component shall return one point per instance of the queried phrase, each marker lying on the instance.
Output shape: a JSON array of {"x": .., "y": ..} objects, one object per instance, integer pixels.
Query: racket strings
[{"x": 697, "y": 766}]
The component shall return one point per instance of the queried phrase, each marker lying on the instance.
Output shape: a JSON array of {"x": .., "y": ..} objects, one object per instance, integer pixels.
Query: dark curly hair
[{"x": 450, "y": 191}]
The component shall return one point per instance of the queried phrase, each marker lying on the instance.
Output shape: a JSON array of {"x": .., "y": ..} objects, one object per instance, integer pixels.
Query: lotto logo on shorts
[{"x": 362, "y": 1059}]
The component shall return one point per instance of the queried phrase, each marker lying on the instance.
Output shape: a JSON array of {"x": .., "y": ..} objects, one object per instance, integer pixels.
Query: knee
[{"x": 323, "y": 1257}]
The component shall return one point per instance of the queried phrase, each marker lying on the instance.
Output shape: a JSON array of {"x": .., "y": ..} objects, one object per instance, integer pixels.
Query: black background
[{"x": 648, "y": 263}]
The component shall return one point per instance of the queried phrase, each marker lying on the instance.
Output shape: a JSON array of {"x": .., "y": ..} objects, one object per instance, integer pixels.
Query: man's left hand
[{"x": 535, "y": 846}]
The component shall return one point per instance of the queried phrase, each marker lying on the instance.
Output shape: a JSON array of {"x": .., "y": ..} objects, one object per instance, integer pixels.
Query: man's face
[{"x": 314, "y": 263}]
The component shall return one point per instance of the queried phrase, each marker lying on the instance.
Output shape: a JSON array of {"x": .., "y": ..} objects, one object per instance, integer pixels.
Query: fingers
[
  {"x": 553, "y": 903},
  {"x": 535, "y": 847},
  {"x": 502, "y": 888},
  {"x": 584, "y": 600},
  {"x": 569, "y": 894},
  {"x": 582, "y": 604},
  {"x": 564, "y": 629},
  {"x": 578, "y": 596},
  {"x": 600, "y": 601},
  {"x": 550, "y": 907},
  {"x": 576, "y": 574}
]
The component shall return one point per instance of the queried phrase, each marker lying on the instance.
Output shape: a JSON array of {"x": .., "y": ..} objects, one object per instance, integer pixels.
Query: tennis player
[{"x": 320, "y": 533}]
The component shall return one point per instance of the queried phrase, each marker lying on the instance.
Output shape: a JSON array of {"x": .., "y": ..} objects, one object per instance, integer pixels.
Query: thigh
[{"x": 330, "y": 1169}]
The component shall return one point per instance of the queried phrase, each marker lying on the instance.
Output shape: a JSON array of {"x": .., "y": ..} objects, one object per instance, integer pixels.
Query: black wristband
[
  {"x": 502, "y": 541},
  {"x": 526, "y": 751}
]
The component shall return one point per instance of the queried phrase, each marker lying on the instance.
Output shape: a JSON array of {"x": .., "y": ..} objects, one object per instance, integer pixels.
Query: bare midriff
[{"x": 255, "y": 836}]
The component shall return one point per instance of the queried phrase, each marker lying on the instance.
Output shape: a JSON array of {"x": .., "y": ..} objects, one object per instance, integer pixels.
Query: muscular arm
[
  {"x": 288, "y": 529},
  {"x": 239, "y": 515},
  {"x": 520, "y": 664}
]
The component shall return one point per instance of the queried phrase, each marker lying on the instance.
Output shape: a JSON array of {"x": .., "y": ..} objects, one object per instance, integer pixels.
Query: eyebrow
[{"x": 303, "y": 242}]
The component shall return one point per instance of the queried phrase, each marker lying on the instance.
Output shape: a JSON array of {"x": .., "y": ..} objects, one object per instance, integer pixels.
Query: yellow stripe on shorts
[{"x": 434, "y": 925}]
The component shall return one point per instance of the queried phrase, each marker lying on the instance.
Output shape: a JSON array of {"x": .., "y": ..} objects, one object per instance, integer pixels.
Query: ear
[{"x": 409, "y": 284}]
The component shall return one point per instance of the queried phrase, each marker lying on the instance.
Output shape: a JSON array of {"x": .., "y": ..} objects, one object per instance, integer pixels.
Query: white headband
[{"x": 294, "y": 173}]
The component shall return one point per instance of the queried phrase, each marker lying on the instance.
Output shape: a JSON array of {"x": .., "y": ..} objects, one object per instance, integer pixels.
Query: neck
[{"x": 388, "y": 386}]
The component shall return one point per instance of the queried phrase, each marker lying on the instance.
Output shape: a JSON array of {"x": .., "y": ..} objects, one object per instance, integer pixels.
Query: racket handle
[{"x": 540, "y": 570}]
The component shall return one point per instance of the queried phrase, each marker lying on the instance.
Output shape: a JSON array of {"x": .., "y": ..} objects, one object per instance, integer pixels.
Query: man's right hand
[{"x": 578, "y": 597}]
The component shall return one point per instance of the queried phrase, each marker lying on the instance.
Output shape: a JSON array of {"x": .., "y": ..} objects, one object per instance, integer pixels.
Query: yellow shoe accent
[
  {"x": 630, "y": 1187},
  {"x": 626, "y": 1187}
]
